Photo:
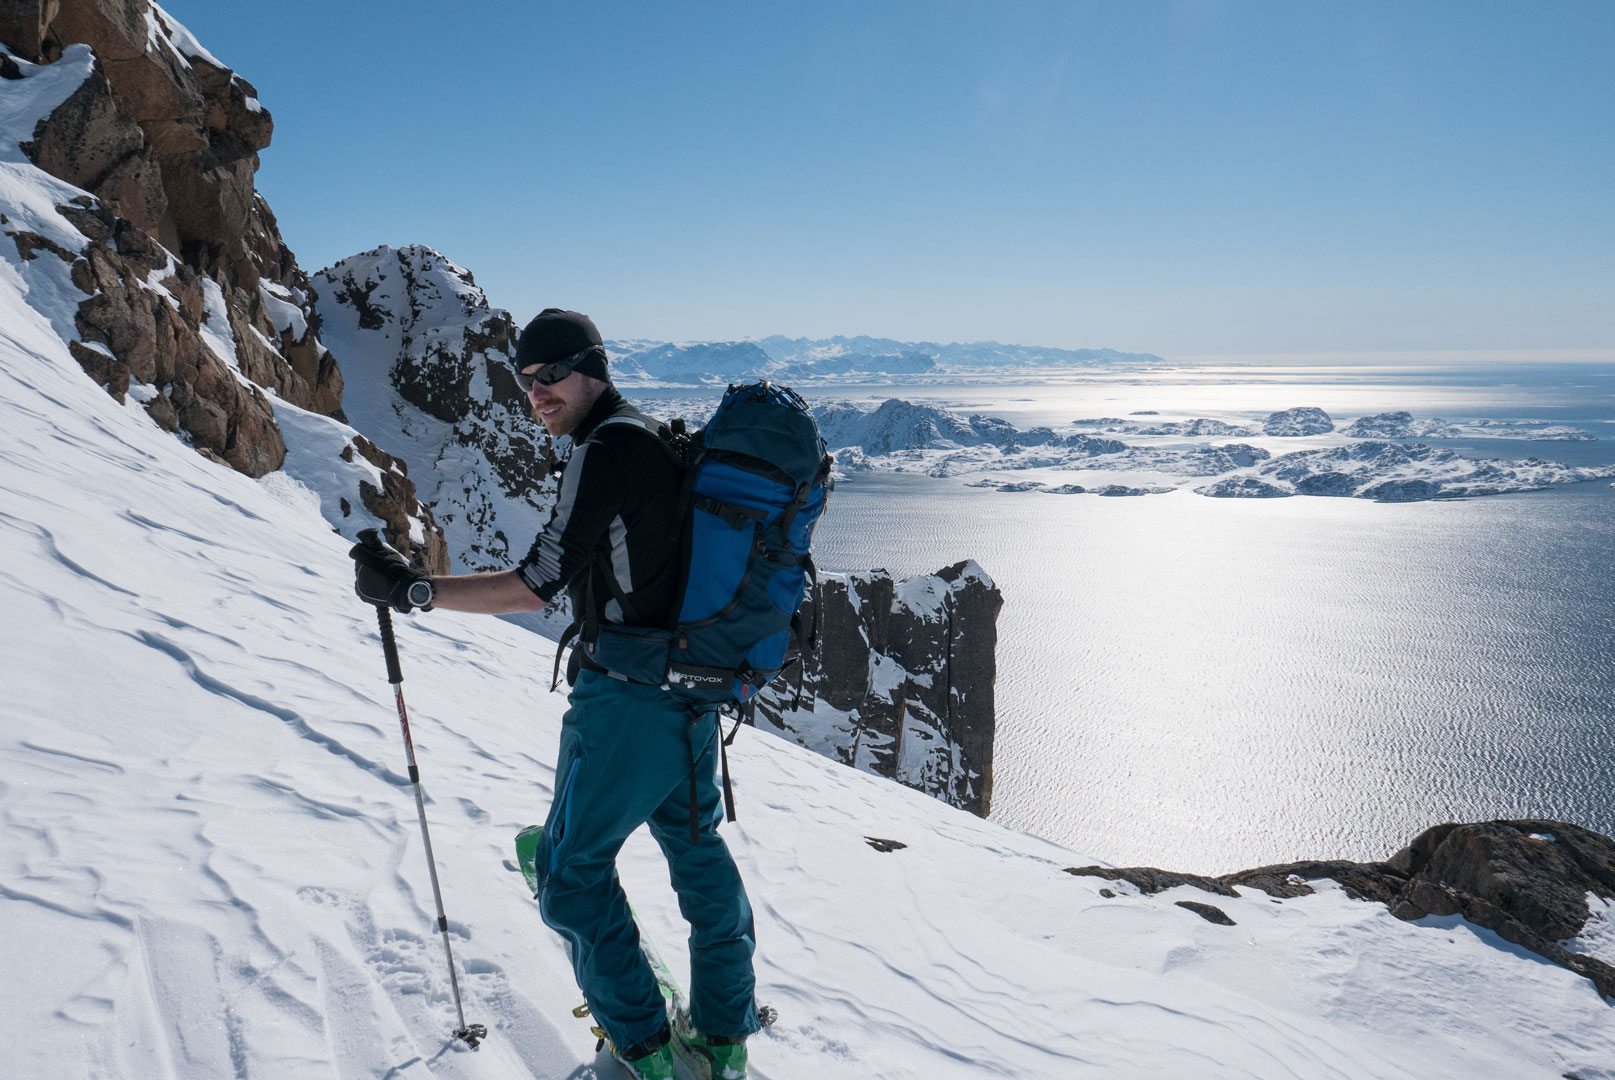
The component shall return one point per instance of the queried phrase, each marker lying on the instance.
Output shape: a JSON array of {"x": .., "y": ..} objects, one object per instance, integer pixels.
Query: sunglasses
[{"x": 554, "y": 371}]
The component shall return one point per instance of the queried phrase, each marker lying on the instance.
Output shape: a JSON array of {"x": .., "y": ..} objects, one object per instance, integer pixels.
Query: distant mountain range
[{"x": 840, "y": 359}]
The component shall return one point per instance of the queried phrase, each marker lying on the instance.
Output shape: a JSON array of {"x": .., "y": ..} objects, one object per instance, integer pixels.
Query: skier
[{"x": 630, "y": 753}]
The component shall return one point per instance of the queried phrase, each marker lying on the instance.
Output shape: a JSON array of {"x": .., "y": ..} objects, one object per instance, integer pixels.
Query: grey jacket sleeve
[{"x": 591, "y": 495}]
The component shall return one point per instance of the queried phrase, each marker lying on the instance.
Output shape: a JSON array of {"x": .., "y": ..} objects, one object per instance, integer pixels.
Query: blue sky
[{"x": 1190, "y": 178}]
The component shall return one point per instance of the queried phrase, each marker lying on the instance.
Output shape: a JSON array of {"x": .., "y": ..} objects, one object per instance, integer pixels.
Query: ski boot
[
  {"x": 715, "y": 1058},
  {"x": 649, "y": 1064}
]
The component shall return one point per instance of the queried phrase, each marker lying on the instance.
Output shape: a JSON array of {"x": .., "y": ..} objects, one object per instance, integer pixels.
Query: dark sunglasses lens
[
  {"x": 547, "y": 375},
  {"x": 552, "y": 372}
]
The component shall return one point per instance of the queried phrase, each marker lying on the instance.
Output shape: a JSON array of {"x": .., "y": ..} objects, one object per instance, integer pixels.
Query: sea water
[{"x": 1210, "y": 684}]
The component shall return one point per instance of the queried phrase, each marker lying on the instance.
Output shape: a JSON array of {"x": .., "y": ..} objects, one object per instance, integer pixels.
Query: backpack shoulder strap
[{"x": 638, "y": 421}]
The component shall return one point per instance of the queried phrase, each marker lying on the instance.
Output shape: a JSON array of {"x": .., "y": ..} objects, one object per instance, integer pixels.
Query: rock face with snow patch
[
  {"x": 1535, "y": 883},
  {"x": 1291, "y": 423},
  {"x": 141, "y": 148},
  {"x": 428, "y": 365},
  {"x": 902, "y": 682}
]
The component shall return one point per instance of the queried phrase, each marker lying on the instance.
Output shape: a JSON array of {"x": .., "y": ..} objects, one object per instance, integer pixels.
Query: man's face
[{"x": 561, "y": 406}]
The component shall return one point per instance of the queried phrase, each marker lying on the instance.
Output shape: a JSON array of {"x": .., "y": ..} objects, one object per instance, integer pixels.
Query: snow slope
[{"x": 210, "y": 866}]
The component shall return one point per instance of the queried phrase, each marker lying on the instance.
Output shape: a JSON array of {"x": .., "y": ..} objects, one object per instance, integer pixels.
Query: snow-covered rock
[
  {"x": 1543, "y": 885},
  {"x": 1402, "y": 425},
  {"x": 1200, "y": 426},
  {"x": 1398, "y": 425},
  {"x": 1244, "y": 487},
  {"x": 902, "y": 682},
  {"x": 428, "y": 368},
  {"x": 1526, "y": 429},
  {"x": 902, "y": 425},
  {"x": 1291, "y": 423},
  {"x": 94, "y": 206},
  {"x": 901, "y": 436},
  {"x": 1400, "y": 472}
]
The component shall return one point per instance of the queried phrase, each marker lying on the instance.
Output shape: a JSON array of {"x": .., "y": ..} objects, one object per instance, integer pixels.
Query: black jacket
[{"x": 615, "y": 520}]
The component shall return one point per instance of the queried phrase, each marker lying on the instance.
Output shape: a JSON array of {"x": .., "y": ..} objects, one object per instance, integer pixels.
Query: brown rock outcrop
[
  {"x": 154, "y": 336},
  {"x": 25, "y": 28},
  {"x": 394, "y": 502},
  {"x": 170, "y": 143},
  {"x": 1527, "y": 881}
]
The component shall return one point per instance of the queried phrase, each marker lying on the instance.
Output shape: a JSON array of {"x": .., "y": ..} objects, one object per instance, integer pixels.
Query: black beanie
[{"x": 555, "y": 334}]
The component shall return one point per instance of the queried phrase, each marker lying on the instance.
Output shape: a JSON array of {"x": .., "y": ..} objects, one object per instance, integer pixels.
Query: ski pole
[{"x": 472, "y": 1034}]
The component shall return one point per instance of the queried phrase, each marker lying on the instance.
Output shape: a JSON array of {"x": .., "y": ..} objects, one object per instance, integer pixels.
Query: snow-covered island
[
  {"x": 212, "y": 866},
  {"x": 903, "y": 436}
]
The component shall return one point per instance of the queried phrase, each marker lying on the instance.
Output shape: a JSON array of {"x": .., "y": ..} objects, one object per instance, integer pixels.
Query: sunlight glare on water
[{"x": 1212, "y": 684}]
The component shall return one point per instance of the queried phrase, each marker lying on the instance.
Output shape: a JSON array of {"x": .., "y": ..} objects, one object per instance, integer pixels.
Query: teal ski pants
[{"x": 627, "y": 751}]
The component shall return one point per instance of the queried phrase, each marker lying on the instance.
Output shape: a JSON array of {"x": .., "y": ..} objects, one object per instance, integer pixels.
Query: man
[{"x": 628, "y": 750}]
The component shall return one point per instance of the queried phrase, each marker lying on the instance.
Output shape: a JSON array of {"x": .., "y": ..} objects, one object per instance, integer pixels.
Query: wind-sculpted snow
[
  {"x": 208, "y": 867},
  {"x": 902, "y": 436}
]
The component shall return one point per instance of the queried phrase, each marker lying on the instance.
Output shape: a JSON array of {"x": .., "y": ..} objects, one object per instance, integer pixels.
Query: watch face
[{"x": 420, "y": 593}]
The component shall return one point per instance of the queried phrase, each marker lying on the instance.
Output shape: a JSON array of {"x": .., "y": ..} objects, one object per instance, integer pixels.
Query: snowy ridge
[
  {"x": 838, "y": 359},
  {"x": 426, "y": 363},
  {"x": 210, "y": 867}
]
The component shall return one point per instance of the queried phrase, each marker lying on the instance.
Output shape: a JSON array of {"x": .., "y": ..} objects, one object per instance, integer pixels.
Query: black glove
[{"x": 383, "y": 576}]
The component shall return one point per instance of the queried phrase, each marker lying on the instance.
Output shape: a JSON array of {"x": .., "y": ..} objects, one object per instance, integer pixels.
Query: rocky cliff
[
  {"x": 1546, "y": 886},
  {"x": 901, "y": 684},
  {"x": 428, "y": 366},
  {"x": 131, "y": 152}
]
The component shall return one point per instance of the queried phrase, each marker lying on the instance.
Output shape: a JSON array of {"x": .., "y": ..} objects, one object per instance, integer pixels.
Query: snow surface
[
  {"x": 210, "y": 864},
  {"x": 164, "y": 28},
  {"x": 1597, "y": 937}
]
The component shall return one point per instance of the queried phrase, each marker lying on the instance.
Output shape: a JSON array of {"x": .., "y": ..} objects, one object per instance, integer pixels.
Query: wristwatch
[{"x": 420, "y": 593}]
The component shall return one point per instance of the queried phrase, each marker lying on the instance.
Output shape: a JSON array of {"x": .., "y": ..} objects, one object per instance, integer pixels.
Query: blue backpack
[{"x": 755, "y": 483}]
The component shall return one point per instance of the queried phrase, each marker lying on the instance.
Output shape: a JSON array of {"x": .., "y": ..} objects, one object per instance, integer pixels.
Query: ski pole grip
[{"x": 384, "y": 618}]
